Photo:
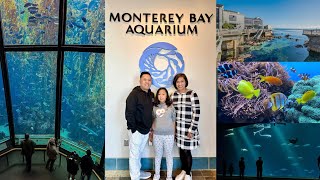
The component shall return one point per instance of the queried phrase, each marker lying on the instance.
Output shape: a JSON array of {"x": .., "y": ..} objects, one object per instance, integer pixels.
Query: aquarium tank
[
  {"x": 264, "y": 92},
  {"x": 52, "y": 73},
  {"x": 287, "y": 150}
]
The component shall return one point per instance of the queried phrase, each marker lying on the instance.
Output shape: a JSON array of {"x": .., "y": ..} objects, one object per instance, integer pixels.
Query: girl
[
  {"x": 187, "y": 106},
  {"x": 163, "y": 131}
]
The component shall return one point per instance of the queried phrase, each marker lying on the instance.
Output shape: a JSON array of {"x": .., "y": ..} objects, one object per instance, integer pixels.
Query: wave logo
[{"x": 163, "y": 62}]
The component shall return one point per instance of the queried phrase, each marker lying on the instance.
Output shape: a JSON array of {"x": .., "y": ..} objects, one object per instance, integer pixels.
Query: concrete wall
[
  {"x": 238, "y": 20},
  {"x": 123, "y": 52}
]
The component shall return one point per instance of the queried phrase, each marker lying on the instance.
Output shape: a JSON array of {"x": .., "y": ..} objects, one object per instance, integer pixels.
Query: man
[
  {"x": 86, "y": 165},
  {"x": 139, "y": 105},
  {"x": 259, "y": 168},
  {"x": 27, "y": 146},
  {"x": 319, "y": 164},
  {"x": 242, "y": 166}
]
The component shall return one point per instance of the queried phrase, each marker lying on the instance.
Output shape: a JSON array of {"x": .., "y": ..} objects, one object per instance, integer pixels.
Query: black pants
[
  {"x": 50, "y": 162},
  {"x": 259, "y": 173},
  {"x": 186, "y": 160},
  {"x": 83, "y": 175},
  {"x": 241, "y": 174},
  {"x": 28, "y": 162}
]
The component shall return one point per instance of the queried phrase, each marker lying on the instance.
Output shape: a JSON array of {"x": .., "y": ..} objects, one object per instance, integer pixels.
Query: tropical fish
[
  {"x": 307, "y": 96},
  {"x": 304, "y": 76},
  {"x": 276, "y": 100},
  {"x": 230, "y": 134},
  {"x": 230, "y": 129},
  {"x": 229, "y": 74},
  {"x": 283, "y": 169},
  {"x": 292, "y": 69},
  {"x": 225, "y": 67},
  {"x": 306, "y": 145},
  {"x": 22, "y": 12},
  {"x": 244, "y": 150},
  {"x": 271, "y": 80},
  {"x": 246, "y": 89},
  {"x": 27, "y": 4}
]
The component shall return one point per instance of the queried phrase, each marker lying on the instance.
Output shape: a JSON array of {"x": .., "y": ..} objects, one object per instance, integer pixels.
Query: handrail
[
  {"x": 311, "y": 32},
  {"x": 43, "y": 149}
]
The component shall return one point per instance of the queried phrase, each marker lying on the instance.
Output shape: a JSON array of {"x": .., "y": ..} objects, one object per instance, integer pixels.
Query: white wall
[{"x": 123, "y": 52}]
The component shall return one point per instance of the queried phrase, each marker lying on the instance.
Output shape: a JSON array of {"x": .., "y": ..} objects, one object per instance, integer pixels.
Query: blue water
[
  {"x": 311, "y": 68},
  {"x": 281, "y": 158},
  {"x": 283, "y": 49}
]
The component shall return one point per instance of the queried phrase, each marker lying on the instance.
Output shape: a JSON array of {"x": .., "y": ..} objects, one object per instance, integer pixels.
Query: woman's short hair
[{"x": 177, "y": 76}]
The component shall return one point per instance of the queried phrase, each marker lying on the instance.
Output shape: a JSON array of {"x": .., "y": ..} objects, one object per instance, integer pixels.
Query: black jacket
[
  {"x": 139, "y": 106},
  {"x": 86, "y": 164}
]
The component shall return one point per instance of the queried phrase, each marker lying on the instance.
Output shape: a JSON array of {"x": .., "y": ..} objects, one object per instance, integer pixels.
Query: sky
[{"x": 279, "y": 13}]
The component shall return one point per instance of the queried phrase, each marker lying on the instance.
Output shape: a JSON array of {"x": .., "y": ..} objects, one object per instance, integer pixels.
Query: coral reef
[
  {"x": 308, "y": 112},
  {"x": 235, "y": 107}
]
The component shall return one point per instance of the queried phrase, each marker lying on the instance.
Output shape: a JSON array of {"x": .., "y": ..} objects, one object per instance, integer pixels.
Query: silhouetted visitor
[
  {"x": 259, "y": 163},
  {"x": 319, "y": 164},
  {"x": 86, "y": 165},
  {"x": 72, "y": 165},
  {"x": 52, "y": 152},
  {"x": 231, "y": 169},
  {"x": 224, "y": 167},
  {"x": 242, "y": 166},
  {"x": 27, "y": 146}
]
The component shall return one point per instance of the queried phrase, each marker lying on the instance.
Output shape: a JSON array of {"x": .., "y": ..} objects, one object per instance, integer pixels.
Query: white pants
[
  {"x": 137, "y": 143},
  {"x": 165, "y": 142}
]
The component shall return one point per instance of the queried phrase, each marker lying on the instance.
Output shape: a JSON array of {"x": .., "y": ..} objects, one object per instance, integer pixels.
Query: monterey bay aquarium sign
[{"x": 172, "y": 23}]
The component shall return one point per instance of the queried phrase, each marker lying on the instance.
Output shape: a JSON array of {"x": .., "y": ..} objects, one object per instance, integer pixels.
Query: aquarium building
[{"x": 51, "y": 83}]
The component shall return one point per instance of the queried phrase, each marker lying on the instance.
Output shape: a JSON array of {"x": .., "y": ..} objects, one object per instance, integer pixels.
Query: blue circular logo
[{"x": 163, "y": 62}]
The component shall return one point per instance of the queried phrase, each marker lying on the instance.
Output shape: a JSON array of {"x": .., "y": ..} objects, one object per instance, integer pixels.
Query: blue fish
[
  {"x": 27, "y": 4},
  {"x": 21, "y": 12},
  {"x": 84, "y": 19},
  {"x": 225, "y": 67},
  {"x": 229, "y": 74},
  {"x": 33, "y": 8},
  {"x": 38, "y": 15}
]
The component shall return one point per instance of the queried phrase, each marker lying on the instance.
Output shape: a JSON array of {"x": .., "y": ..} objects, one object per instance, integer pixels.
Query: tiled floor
[{"x": 196, "y": 175}]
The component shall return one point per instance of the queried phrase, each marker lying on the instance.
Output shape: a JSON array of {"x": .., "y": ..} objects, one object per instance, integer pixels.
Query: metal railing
[{"x": 311, "y": 32}]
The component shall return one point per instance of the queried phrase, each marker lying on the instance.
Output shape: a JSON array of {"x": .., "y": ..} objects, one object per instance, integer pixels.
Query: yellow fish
[
  {"x": 307, "y": 96},
  {"x": 246, "y": 89}
]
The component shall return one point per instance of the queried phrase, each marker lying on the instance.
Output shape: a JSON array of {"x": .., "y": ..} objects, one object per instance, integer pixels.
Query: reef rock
[{"x": 308, "y": 112}]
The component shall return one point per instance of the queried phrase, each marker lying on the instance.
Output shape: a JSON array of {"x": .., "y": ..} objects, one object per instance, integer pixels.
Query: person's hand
[
  {"x": 189, "y": 135},
  {"x": 151, "y": 136}
]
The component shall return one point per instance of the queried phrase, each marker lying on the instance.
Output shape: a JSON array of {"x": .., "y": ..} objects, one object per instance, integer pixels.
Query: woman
[
  {"x": 187, "y": 106},
  {"x": 52, "y": 152}
]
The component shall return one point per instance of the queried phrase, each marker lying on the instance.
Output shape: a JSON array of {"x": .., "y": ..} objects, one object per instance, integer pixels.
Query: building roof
[
  {"x": 232, "y": 11},
  {"x": 219, "y": 5}
]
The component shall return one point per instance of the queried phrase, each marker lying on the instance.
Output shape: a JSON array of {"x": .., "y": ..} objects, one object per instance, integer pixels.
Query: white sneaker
[
  {"x": 181, "y": 175},
  {"x": 188, "y": 177},
  {"x": 156, "y": 177},
  {"x": 145, "y": 175},
  {"x": 170, "y": 178}
]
